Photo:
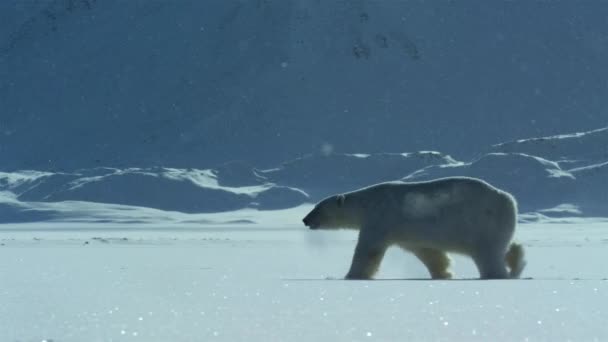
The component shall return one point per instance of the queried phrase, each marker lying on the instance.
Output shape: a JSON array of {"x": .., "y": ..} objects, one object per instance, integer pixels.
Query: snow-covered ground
[{"x": 262, "y": 276}]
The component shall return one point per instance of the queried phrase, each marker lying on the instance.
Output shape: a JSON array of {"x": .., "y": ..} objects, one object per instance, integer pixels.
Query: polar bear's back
[
  {"x": 439, "y": 193},
  {"x": 457, "y": 210}
]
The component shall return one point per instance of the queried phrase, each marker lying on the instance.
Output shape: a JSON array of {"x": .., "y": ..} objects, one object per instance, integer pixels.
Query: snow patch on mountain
[
  {"x": 571, "y": 150},
  {"x": 543, "y": 187},
  {"x": 167, "y": 189},
  {"x": 321, "y": 175}
]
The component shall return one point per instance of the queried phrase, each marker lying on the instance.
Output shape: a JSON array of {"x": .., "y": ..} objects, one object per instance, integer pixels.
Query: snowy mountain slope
[
  {"x": 322, "y": 175},
  {"x": 195, "y": 84},
  {"x": 571, "y": 150},
  {"x": 72, "y": 214},
  {"x": 160, "y": 188},
  {"x": 228, "y": 187},
  {"x": 549, "y": 188},
  {"x": 591, "y": 187},
  {"x": 539, "y": 185},
  {"x": 13, "y": 210}
]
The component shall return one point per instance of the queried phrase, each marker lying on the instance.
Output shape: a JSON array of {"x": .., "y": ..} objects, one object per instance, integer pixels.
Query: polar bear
[{"x": 456, "y": 214}]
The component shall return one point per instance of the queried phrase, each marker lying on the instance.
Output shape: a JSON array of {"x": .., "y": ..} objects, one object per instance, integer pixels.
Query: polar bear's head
[{"x": 331, "y": 213}]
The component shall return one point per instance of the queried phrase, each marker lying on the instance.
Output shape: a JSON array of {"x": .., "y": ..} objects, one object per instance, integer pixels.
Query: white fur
[{"x": 462, "y": 215}]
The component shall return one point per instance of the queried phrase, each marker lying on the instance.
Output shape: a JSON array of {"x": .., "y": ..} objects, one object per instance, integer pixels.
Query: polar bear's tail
[{"x": 515, "y": 260}]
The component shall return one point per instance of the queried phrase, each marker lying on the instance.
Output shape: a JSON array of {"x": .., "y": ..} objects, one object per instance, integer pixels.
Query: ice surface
[{"x": 277, "y": 281}]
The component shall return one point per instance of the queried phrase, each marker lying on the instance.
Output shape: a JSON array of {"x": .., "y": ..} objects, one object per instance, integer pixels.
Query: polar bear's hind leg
[
  {"x": 515, "y": 260},
  {"x": 491, "y": 264}
]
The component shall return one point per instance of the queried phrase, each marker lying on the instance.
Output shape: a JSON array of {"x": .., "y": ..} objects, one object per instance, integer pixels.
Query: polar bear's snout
[
  {"x": 314, "y": 219},
  {"x": 310, "y": 222}
]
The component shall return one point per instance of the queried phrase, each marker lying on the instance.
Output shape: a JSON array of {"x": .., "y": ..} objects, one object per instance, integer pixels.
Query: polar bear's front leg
[
  {"x": 368, "y": 255},
  {"x": 436, "y": 261}
]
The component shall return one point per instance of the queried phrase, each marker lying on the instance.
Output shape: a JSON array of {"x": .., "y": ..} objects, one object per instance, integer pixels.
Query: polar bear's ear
[{"x": 340, "y": 199}]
